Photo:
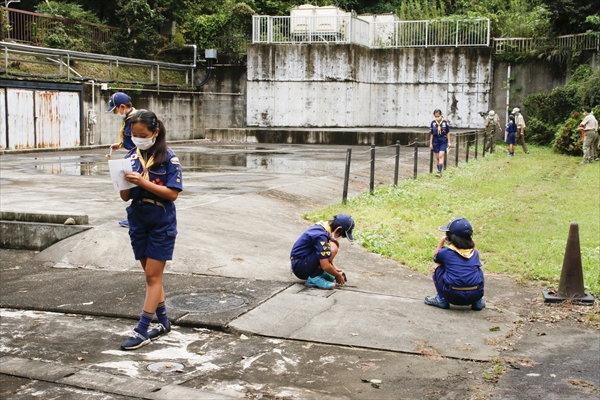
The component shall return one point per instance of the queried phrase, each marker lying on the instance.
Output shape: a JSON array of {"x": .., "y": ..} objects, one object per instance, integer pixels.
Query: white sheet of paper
[{"x": 117, "y": 173}]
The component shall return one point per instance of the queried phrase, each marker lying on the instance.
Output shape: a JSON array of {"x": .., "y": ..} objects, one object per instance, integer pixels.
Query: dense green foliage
[{"x": 553, "y": 116}]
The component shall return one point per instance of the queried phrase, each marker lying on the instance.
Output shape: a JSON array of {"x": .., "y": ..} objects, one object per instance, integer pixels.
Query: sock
[
  {"x": 161, "y": 314},
  {"x": 145, "y": 319},
  {"x": 440, "y": 168}
]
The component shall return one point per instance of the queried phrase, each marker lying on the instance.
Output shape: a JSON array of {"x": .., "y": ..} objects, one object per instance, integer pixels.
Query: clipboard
[{"x": 117, "y": 169}]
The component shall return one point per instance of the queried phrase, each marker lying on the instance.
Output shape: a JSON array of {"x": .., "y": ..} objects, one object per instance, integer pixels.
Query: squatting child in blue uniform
[
  {"x": 511, "y": 135},
  {"x": 313, "y": 253},
  {"x": 439, "y": 139},
  {"x": 151, "y": 216},
  {"x": 457, "y": 274}
]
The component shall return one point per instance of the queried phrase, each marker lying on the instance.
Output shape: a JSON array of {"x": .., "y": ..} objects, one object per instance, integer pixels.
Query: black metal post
[
  {"x": 484, "y": 144},
  {"x": 468, "y": 145},
  {"x": 431, "y": 157},
  {"x": 416, "y": 156},
  {"x": 456, "y": 148},
  {"x": 372, "y": 179},
  {"x": 397, "y": 167},
  {"x": 347, "y": 175},
  {"x": 476, "y": 143}
]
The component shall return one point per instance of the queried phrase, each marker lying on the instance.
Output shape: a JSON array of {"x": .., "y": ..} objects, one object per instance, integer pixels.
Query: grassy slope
[{"x": 520, "y": 207}]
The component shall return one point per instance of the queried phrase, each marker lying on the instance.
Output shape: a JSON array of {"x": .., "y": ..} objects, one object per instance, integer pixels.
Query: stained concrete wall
[
  {"x": 353, "y": 86},
  {"x": 221, "y": 103}
]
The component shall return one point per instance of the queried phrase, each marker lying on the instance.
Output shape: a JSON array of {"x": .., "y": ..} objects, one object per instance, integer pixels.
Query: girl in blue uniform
[
  {"x": 457, "y": 273},
  {"x": 511, "y": 135},
  {"x": 151, "y": 215},
  {"x": 439, "y": 139}
]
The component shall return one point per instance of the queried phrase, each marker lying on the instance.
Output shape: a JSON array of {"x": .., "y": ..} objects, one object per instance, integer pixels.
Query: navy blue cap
[
  {"x": 347, "y": 224},
  {"x": 116, "y": 100},
  {"x": 460, "y": 227}
]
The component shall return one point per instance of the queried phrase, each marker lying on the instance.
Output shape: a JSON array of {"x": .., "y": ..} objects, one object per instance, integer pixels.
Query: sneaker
[
  {"x": 135, "y": 341},
  {"x": 478, "y": 305},
  {"x": 526, "y": 152},
  {"x": 327, "y": 276},
  {"x": 584, "y": 162},
  {"x": 439, "y": 174},
  {"x": 124, "y": 223},
  {"x": 158, "y": 331},
  {"x": 319, "y": 282},
  {"x": 436, "y": 301}
]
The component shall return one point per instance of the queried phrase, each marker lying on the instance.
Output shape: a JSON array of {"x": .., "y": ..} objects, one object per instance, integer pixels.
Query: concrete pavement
[{"x": 238, "y": 216}]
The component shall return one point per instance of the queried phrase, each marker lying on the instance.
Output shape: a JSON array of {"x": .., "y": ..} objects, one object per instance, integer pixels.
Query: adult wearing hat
[
  {"x": 312, "y": 256},
  {"x": 520, "y": 122},
  {"x": 457, "y": 273},
  {"x": 589, "y": 136},
  {"x": 491, "y": 123}
]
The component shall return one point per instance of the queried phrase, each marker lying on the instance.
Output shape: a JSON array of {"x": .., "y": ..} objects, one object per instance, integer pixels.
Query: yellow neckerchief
[
  {"x": 439, "y": 126},
  {"x": 122, "y": 132},
  {"x": 466, "y": 253},
  {"x": 146, "y": 165},
  {"x": 325, "y": 226}
]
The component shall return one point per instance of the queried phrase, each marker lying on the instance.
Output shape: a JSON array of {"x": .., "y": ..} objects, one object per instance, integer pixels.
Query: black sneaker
[
  {"x": 135, "y": 341},
  {"x": 158, "y": 331}
]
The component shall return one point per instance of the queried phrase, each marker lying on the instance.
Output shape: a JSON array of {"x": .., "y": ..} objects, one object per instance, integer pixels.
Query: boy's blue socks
[
  {"x": 144, "y": 323},
  {"x": 440, "y": 168},
  {"x": 161, "y": 314}
]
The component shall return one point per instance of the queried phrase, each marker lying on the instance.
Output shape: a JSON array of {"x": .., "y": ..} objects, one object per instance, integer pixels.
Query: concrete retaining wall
[{"x": 353, "y": 86}]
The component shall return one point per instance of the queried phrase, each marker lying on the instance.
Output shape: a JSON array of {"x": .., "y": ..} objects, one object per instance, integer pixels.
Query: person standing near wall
[
  {"x": 120, "y": 103},
  {"x": 510, "y": 135},
  {"x": 439, "y": 139},
  {"x": 491, "y": 123},
  {"x": 589, "y": 131},
  {"x": 520, "y": 122}
]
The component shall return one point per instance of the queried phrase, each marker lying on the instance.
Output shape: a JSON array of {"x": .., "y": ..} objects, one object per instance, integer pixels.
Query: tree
[{"x": 139, "y": 25}]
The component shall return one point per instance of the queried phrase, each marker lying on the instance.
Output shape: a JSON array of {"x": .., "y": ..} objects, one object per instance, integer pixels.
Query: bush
[{"x": 567, "y": 138}]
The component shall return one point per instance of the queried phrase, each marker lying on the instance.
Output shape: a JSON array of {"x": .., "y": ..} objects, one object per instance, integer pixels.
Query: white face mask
[
  {"x": 143, "y": 143},
  {"x": 438, "y": 118}
]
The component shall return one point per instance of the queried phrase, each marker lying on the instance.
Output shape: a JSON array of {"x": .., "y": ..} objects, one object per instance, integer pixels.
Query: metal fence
[
  {"x": 579, "y": 42},
  {"x": 468, "y": 32},
  {"x": 350, "y": 29},
  {"x": 45, "y": 30}
]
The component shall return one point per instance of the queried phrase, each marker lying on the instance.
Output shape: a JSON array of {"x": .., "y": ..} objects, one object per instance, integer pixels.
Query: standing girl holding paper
[{"x": 151, "y": 215}]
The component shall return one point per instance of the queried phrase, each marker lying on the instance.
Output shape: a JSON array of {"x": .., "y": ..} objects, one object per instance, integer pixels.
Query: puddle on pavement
[{"x": 224, "y": 159}]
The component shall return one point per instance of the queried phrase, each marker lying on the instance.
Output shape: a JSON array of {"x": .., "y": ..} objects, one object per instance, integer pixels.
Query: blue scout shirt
[
  {"x": 439, "y": 130},
  {"x": 168, "y": 174},
  {"x": 125, "y": 134},
  {"x": 314, "y": 241},
  {"x": 460, "y": 270},
  {"x": 511, "y": 127}
]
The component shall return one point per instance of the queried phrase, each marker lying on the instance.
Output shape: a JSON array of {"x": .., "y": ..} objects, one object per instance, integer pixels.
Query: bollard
[
  {"x": 347, "y": 175},
  {"x": 484, "y": 145},
  {"x": 476, "y": 143},
  {"x": 467, "y": 159},
  {"x": 372, "y": 178},
  {"x": 416, "y": 156},
  {"x": 431, "y": 161},
  {"x": 456, "y": 155},
  {"x": 397, "y": 167},
  {"x": 570, "y": 286}
]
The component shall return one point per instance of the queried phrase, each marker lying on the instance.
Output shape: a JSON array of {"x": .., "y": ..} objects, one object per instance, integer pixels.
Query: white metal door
[
  {"x": 2, "y": 119},
  {"x": 20, "y": 120}
]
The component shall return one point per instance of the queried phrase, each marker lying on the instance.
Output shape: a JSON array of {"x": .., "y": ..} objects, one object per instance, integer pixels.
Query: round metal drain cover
[
  {"x": 206, "y": 302},
  {"x": 165, "y": 367}
]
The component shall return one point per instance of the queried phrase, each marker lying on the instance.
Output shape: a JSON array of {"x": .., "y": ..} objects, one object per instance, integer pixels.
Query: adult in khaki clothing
[
  {"x": 520, "y": 122},
  {"x": 589, "y": 128},
  {"x": 491, "y": 123}
]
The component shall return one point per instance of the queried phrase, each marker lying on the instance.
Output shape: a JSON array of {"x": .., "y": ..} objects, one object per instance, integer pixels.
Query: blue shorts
[
  {"x": 511, "y": 138},
  {"x": 457, "y": 297},
  {"x": 310, "y": 265},
  {"x": 440, "y": 143},
  {"x": 152, "y": 229}
]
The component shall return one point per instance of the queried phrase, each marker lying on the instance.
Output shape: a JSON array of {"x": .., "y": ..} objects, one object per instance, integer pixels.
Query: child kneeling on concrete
[
  {"x": 313, "y": 253},
  {"x": 457, "y": 273}
]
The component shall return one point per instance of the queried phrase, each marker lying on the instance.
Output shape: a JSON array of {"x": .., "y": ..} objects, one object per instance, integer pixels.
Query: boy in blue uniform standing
[
  {"x": 313, "y": 253},
  {"x": 120, "y": 103},
  {"x": 152, "y": 219},
  {"x": 439, "y": 139},
  {"x": 457, "y": 273}
]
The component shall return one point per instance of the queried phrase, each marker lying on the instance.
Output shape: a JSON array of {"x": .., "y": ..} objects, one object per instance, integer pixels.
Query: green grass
[{"x": 520, "y": 207}]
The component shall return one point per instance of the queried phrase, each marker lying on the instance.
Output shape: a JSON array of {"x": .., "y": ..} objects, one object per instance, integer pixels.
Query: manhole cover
[
  {"x": 165, "y": 367},
  {"x": 206, "y": 302}
]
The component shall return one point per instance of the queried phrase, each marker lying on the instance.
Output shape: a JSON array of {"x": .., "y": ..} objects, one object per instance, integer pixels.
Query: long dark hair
[
  {"x": 149, "y": 119},
  {"x": 460, "y": 242}
]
